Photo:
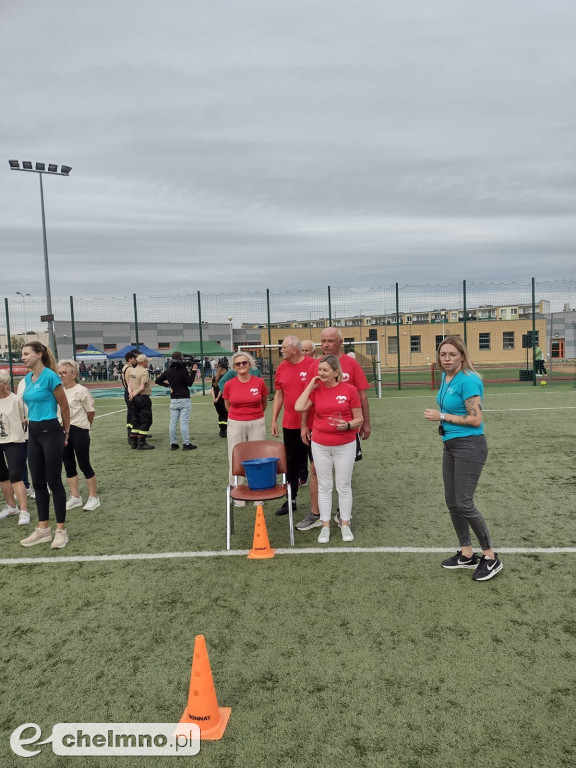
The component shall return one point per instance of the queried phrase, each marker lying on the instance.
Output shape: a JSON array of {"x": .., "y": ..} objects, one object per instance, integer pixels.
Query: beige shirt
[
  {"x": 135, "y": 378},
  {"x": 81, "y": 403},
  {"x": 12, "y": 415}
]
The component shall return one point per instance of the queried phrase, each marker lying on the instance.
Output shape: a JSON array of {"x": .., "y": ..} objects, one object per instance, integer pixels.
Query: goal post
[{"x": 367, "y": 354}]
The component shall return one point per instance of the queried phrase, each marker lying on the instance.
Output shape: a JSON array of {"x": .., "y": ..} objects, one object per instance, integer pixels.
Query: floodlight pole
[{"x": 65, "y": 170}]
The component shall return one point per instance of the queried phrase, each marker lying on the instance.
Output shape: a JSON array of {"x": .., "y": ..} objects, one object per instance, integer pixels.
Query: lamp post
[
  {"x": 231, "y": 335},
  {"x": 40, "y": 169}
]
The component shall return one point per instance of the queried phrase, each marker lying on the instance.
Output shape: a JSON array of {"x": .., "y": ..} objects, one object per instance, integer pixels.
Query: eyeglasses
[{"x": 242, "y": 362}]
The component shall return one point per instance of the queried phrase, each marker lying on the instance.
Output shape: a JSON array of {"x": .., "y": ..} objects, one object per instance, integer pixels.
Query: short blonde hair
[
  {"x": 72, "y": 365},
  {"x": 334, "y": 363},
  {"x": 248, "y": 357},
  {"x": 4, "y": 376}
]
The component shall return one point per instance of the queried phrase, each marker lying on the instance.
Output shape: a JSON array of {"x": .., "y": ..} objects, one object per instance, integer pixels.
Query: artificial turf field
[{"x": 344, "y": 658}]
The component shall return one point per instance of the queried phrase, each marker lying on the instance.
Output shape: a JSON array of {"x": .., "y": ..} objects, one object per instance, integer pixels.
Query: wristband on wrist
[{"x": 349, "y": 425}]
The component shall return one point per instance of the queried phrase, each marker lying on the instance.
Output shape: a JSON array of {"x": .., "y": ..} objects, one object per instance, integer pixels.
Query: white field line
[{"x": 279, "y": 551}]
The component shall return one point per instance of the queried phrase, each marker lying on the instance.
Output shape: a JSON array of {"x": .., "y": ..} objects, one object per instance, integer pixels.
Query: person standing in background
[{"x": 178, "y": 379}]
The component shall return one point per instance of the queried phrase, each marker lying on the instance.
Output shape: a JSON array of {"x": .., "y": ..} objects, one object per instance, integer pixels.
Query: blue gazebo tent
[{"x": 142, "y": 348}]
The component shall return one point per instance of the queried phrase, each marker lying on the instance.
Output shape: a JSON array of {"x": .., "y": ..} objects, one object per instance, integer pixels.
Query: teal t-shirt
[
  {"x": 39, "y": 395},
  {"x": 451, "y": 397}
]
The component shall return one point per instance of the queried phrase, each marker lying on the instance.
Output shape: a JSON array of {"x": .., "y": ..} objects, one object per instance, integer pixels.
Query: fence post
[
  {"x": 398, "y": 336},
  {"x": 136, "y": 322},
  {"x": 270, "y": 372},
  {"x": 9, "y": 343},
  {"x": 201, "y": 344},
  {"x": 329, "y": 308},
  {"x": 465, "y": 312},
  {"x": 534, "y": 333},
  {"x": 74, "y": 329}
]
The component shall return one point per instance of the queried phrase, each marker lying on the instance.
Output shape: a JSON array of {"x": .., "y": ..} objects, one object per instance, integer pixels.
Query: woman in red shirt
[
  {"x": 337, "y": 417},
  {"x": 246, "y": 398}
]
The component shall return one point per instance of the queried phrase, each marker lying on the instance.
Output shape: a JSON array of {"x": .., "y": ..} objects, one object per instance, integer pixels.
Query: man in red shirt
[
  {"x": 291, "y": 380},
  {"x": 332, "y": 343}
]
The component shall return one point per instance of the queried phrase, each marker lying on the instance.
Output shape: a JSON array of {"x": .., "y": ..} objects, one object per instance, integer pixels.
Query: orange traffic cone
[
  {"x": 203, "y": 706},
  {"x": 260, "y": 545}
]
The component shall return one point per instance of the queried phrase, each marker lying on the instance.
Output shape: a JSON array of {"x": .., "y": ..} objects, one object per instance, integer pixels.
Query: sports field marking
[
  {"x": 112, "y": 413},
  {"x": 279, "y": 551}
]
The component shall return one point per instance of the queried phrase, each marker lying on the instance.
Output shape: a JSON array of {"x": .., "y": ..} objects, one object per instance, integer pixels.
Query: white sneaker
[
  {"x": 258, "y": 503},
  {"x": 39, "y": 536},
  {"x": 60, "y": 539},
  {"x": 73, "y": 502},
  {"x": 23, "y": 517},
  {"x": 238, "y": 503},
  {"x": 324, "y": 536},
  {"x": 31, "y": 493},
  {"x": 92, "y": 503},
  {"x": 8, "y": 512},
  {"x": 347, "y": 534}
]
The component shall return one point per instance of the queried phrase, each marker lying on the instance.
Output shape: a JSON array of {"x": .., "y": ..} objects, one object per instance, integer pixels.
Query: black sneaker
[
  {"x": 284, "y": 509},
  {"x": 189, "y": 447},
  {"x": 174, "y": 447},
  {"x": 487, "y": 568},
  {"x": 459, "y": 561}
]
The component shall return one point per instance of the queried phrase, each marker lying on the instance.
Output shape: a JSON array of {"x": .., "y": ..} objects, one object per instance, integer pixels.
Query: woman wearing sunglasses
[{"x": 246, "y": 398}]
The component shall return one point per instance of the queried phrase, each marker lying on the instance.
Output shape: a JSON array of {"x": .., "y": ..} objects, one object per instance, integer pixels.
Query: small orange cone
[
  {"x": 260, "y": 545},
  {"x": 202, "y": 707}
]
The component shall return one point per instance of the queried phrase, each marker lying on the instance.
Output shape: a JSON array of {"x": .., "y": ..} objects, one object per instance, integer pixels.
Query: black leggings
[
  {"x": 11, "y": 454},
  {"x": 78, "y": 448},
  {"x": 45, "y": 448}
]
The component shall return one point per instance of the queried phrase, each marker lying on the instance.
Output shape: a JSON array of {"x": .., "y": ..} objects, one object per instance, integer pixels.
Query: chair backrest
[{"x": 258, "y": 449}]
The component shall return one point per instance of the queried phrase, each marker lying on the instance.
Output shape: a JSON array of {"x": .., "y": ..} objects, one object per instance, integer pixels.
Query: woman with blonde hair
[
  {"x": 81, "y": 405},
  {"x": 43, "y": 393},
  {"x": 465, "y": 451},
  {"x": 337, "y": 419},
  {"x": 12, "y": 438},
  {"x": 246, "y": 398}
]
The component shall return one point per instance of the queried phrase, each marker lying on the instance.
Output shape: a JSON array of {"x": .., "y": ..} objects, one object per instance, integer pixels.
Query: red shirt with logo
[
  {"x": 245, "y": 398},
  {"x": 328, "y": 401},
  {"x": 352, "y": 372},
  {"x": 293, "y": 379}
]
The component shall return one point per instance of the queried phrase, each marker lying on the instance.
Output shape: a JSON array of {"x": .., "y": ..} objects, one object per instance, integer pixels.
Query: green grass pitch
[{"x": 363, "y": 659}]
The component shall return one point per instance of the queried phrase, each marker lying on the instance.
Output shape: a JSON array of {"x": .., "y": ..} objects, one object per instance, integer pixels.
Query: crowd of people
[{"x": 325, "y": 417}]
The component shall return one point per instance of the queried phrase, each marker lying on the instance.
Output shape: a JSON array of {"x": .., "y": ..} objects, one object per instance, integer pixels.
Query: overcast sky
[{"x": 234, "y": 145}]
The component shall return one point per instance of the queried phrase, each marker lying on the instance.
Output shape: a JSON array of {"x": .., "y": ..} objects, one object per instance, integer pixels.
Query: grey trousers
[{"x": 462, "y": 464}]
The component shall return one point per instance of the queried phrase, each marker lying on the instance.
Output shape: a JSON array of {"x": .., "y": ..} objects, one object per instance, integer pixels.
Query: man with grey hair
[
  {"x": 308, "y": 347},
  {"x": 292, "y": 377}
]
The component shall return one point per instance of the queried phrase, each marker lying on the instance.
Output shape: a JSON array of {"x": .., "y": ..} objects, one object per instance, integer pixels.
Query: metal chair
[{"x": 257, "y": 449}]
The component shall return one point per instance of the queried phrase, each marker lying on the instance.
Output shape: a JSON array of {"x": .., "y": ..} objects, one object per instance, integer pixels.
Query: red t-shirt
[
  {"x": 328, "y": 401},
  {"x": 352, "y": 372},
  {"x": 292, "y": 379},
  {"x": 245, "y": 398}
]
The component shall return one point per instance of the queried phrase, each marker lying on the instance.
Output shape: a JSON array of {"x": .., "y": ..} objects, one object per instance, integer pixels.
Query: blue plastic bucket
[{"x": 261, "y": 473}]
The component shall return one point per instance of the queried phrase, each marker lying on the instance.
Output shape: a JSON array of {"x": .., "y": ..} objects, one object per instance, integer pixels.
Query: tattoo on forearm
[{"x": 473, "y": 408}]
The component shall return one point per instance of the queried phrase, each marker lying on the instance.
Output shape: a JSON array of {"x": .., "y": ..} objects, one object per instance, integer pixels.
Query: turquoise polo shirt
[
  {"x": 451, "y": 397},
  {"x": 39, "y": 395}
]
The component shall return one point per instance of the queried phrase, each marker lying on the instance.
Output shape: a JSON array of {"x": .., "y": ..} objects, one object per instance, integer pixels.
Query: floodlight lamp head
[
  {"x": 14, "y": 165},
  {"x": 52, "y": 168},
  {"x": 65, "y": 170},
  {"x": 40, "y": 166},
  {"x": 27, "y": 165}
]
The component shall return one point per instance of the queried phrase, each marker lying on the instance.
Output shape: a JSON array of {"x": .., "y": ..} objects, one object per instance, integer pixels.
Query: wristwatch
[{"x": 442, "y": 417}]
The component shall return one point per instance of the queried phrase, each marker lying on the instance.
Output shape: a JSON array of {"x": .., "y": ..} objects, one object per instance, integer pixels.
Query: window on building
[
  {"x": 110, "y": 347},
  {"x": 438, "y": 341},
  {"x": 508, "y": 340},
  {"x": 164, "y": 345},
  {"x": 483, "y": 341},
  {"x": 392, "y": 345},
  {"x": 81, "y": 347},
  {"x": 415, "y": 344},
  {"x": 372, "y": 334}
]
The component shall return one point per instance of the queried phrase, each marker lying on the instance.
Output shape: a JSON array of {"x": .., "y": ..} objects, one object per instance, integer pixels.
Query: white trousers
[
  {"x": 340, "y": 458},
  {"x": 243, "y": 432}
]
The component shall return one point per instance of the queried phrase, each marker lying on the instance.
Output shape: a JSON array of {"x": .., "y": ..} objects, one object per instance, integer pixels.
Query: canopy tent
[
  {"x": 91, "y": 354},
  {"x": 142, "y": 350},
  {"x": 192, "y": 348}
]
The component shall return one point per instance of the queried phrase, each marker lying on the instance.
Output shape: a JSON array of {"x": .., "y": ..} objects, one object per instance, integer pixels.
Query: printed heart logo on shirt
[
  {"x": 341, "y": 398},
  {"x": 254, "y": 391},
  {"x": 345, "y": 377},
  {"x": 303, "y": 375}
]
